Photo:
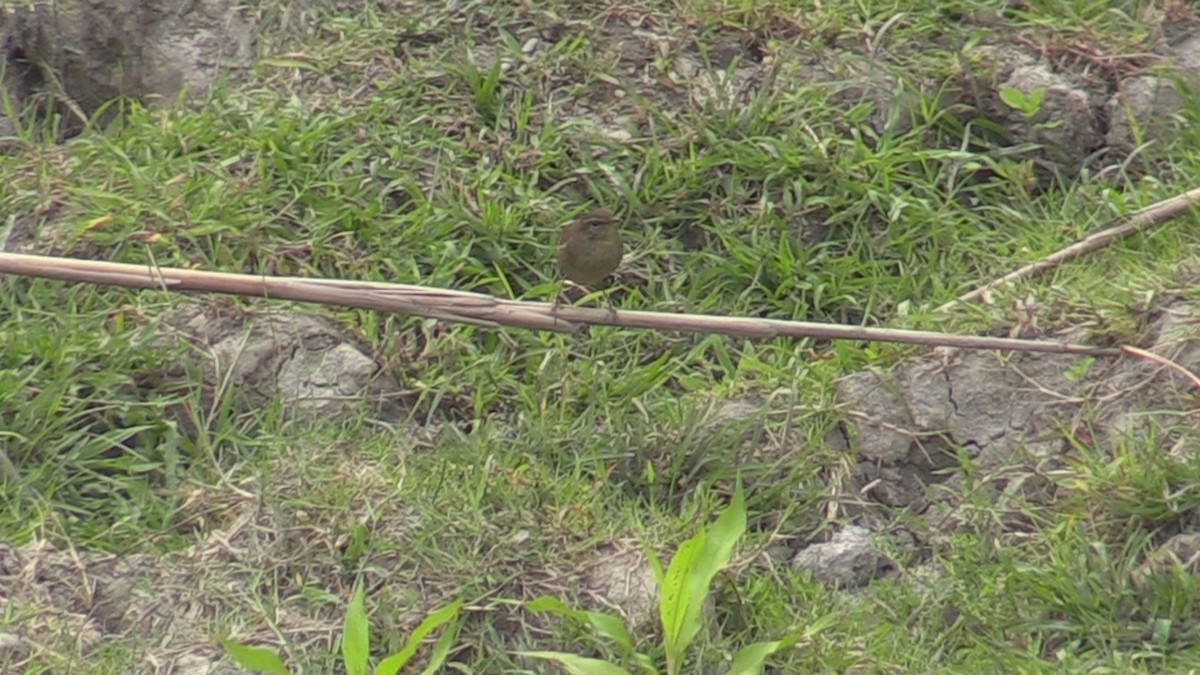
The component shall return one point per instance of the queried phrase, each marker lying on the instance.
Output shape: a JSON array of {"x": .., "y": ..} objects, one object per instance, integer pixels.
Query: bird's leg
[
  {"x": 608, "y": 295},
  {"x": 612, "y": 304},
  {"x": 562, "y": 288},
  {"x": 558, "y": 297}
]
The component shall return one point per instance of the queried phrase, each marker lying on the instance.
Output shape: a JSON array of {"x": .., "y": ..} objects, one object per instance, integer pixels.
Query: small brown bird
[{"x": 589, "y": 248}]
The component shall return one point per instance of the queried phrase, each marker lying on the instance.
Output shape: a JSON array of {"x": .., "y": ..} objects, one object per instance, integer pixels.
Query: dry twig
[
  {"x": 1124, "y": 226},
  {"x": 485, "y": 310},
  {"x": 1167, "y": 363}
]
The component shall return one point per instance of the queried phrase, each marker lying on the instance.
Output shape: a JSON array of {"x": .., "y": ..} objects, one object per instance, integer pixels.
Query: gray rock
[{"x": 848, "y": 560}]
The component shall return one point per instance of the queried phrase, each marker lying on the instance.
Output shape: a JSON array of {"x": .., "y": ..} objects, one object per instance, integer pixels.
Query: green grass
[{"x": 528, "y": 452}]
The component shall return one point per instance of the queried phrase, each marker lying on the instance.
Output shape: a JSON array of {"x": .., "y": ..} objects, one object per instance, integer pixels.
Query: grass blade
[{"x": 579, "y": 665}]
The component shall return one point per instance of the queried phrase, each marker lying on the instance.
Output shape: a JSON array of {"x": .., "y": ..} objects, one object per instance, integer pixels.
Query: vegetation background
[{"x": 847, "y": 161}]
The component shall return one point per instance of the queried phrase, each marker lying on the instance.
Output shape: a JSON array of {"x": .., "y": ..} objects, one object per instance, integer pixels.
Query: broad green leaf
[
  {"x": 691, "y": 573},
  {"x": 356, "y": 647},
  {"x": 611, "y": 627},
  {"x": 644, "y": 662},
  {"x": 579, "y": 665},
  {"x": 1013, "y": 97},
  {"x": 605, "y": 625},
  {"x": 674, "y": 599},
  {"x": 731, "y": 524},
  {"x": 749, "y": 659},
  {"x": 441, "y": 648},
  {"x": 261, "y": 659},
  {"x": 813, "y": 628},
  {"x": 392, "y": 664},
  {"x": 718, "y": 548},
  {"x": 722, "y": 537},
  {"x": 549, "y": 603}
]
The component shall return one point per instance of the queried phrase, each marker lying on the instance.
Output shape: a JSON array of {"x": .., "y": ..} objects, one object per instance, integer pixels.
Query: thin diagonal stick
[{"x": 1124, "y": 226}]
